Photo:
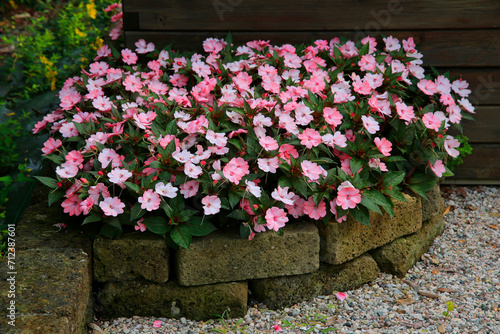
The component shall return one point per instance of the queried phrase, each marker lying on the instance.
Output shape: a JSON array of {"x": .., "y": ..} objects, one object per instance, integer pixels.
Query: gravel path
[{"x": 462, "y": 269}]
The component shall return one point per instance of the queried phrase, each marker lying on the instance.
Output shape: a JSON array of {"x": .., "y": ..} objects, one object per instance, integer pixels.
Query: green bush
[{"x": 54, "y": 49}]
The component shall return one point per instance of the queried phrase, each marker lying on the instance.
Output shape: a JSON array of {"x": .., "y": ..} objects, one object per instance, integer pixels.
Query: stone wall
[
  {"x": 221, "y": 270},
  {"x": 139, "y": 275}
]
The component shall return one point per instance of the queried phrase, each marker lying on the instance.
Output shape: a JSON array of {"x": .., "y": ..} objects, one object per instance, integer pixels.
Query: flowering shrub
[{"x": 256, "y": 134}]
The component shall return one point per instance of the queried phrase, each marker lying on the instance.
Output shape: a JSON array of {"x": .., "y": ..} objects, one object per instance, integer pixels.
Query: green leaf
[
  {"x": 181, "y": 235},
  {"x": 370, "y": 205},
  {"x": 419, "y": 189},
  {"x": 450, "y": 306},
  {"x": 54, "y": 196},
  {"x": 133, "y": 187},
  {"x": 186, "y": 215},
  {"x": 376, "y": 197},
  {"x": 300, "y": 185},
  {"x": 356, "y": 164},
  {"x": 200, "y": 227},
  {"x": 169, "y": 211},
  {"x": 92, "y": 218},
  {"x": 239, "y": 215},
  {"x": 361, "y": 214},
  {"x": 392, "y": 179},
  {"x": 155, "y": 164},
  {"x": 48, "y": 181},
  {"x": 136, "y": 211},
  {"x": 157, "y": 224},
  {"x": 110, "y": 231},
  {"x": 7, "y": 180},
  {"x": 396, "y": 194},
  {"x": 245, "y": 231},
  {"x": 234, "y": 198}
]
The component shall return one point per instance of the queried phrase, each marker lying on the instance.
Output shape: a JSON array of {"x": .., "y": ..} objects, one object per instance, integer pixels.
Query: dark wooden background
[{"x": 460, "y": 36}]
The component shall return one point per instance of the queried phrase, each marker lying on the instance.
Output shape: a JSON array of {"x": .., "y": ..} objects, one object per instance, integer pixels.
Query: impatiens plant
[{"x": 250, "y": 135}]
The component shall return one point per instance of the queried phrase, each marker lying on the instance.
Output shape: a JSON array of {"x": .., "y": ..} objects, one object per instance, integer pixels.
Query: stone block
[
  {"x": 433, "y": 205},
  {"x": 40, "y": 324},
  {"x": 348, "y": 240},
  {"x": 54, "y": 282},
  {"x": 133, "y": 256},
  {"x": 170, "y": 300},
  {"x": 224, "y": 257},
  {"x": 279, "y": 292},
  {"x": 401, "y": 255},
  {"x": 36, "y": 229}
]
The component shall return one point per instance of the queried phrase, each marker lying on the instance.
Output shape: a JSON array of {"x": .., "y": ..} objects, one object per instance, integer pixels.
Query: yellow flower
[
  {"x": 91, "y": 10},
  {"x": 98, "y": 43},
  {"x": 80, "y": 33}
]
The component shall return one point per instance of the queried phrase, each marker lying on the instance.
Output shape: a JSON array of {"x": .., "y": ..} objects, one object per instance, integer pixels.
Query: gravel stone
[{"x": 462, "y": 266}]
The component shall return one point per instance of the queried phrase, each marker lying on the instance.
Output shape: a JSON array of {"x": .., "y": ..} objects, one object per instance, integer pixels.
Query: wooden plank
[
  {"x": 483, "y": 82},
  {"x": 482, "y": 164},
  {"x": 297, "y": 15},
  {"x": 485, "y": 128},
  {"x": 460, "y": 48}
]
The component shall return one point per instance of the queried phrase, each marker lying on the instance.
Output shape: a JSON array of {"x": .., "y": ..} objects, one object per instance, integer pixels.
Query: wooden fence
[{"x": 460, "y": 36}]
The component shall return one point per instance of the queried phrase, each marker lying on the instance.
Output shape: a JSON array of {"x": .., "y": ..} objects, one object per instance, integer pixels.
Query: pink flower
[
  {"x": 132, "y": 83},
  {"x": 107, "y": 156},
  {"x": 431, "y": 121},
  {"x": 129, "y": 57},
  {"x": 71, "y": 205},
  {"x": 253, "y": 188},
  {"x": 211, "y": 204},
  {"x": 268, "y": 165},
  {"x": 297, "y": 208},
  {"x": 268, "y": 143},
  {"x": 142, "y": 47},
  {"x": 68, "y": 130},
  {"x": 313, "y": 211},
  {"x": 391, "y": 44},
  {"x": 102, "y": 103},
  {"x": 310, "y": 138},
  {"x": 74, "y": 158},
  {"x": 405, "y": 112},
  {"x": 311, "y": 170},
  {"x": 143, "y": 120},
  {"x": 86, "y": 205},
  {"x": 218, "y": 139},
  {"x": 275, "y": 218},
  {"x": 140, "y": 226},
  {"x": 112, "y": 206},
  {"x": 376, "y": 163},
  {"x": 119, "y": 175},
  {"x": 427, "y": 86},
  {"x": 333, "y": 209},
  {"x": 213, "y": 45},
  {"x": 348, "y": 196},
  {"x": 438, "y": 168},
  {"x": 157, "y": 323},
  {"x": 235, "y": 169},
  {"x": 192, "y": 170},
  {"x": 149, "y": 200},
  {"x": 450, "y": 145},
  {"x": 370, "y": 124},
  {"x": 98, "y": 190},
  {"x": 51, "y": 145},
  {"x": 67, "y": 171},
  {"x": 341, "y": 296},
  {"x": 189, "y": 189},
  {"x": 167, "y": 190},
  {"x": 383, "y": 145},
  {"x": 277, "y": 326},
  {"x": 282, "y": 195},
  {"x": 332, "y": 116}
]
